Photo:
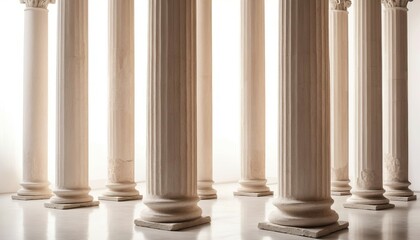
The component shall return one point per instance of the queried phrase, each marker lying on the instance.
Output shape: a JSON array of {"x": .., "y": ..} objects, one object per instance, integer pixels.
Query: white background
[{"x": 226, "y": 95}]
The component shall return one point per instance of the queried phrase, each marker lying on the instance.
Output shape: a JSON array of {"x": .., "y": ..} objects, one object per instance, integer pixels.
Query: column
[
  {"x": 395, "y": 105},
  {"x": 367, "y": 189},
  {"x": 72, "y": 184},
  {"x": 303, "y": 206},
  {"x": 171, "y": 201},
  {"x": 252, "y": 182},
  {"x": 121, "y": 185},
  {"x": 204, "y": 101},
  {"x": 35, "y": 103},
  {"x": 339, "y": 72}
]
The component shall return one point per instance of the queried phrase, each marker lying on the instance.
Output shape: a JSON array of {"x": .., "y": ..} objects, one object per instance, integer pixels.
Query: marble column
[
  {"x": 35, "y": 103},
  {"x": 303, "y": 206},
  {"x": 395, "y": 105},
  {"x": 253, "y": 182},
  {"x": 171, "y": 201},
  {"x": 367, "y": 192},
  {"x": 72, "y": 181},
  {"x": 339, "y": 73},
  {"x": 121, "y": 185},
  {"x": 204, "y": 101}
]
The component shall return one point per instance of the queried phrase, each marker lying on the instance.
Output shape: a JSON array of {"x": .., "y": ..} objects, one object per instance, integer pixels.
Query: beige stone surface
[
  {"x": 339, "y": 74},
  {"x": 72, "y": 165},
  {"x": 172, "y": 115},
  {"x": 340, "y": 193},
  {"x": 253, "y": 194},
  {"x": 207, "y": 197},
  {"x": 395, "y": 99},
  {"x": 35, "y": 103},
  {"x": 205, "y": 188},
  {"x": 121, "y": 183},
  {"x": 252, "y": 97},
  {"x": 28, "y": 197},
  {"x": 304, "y": 195},
  {"x": 317, "y": 232},
  {"x": 71, "y": 205},
  {"x": 373, "y": 207},
  {"x": 402, "y": 199},
  {"x": 367, "y": 186},
  {"x": 173, "y": 226},
  {"x": 120, "y": 199}
]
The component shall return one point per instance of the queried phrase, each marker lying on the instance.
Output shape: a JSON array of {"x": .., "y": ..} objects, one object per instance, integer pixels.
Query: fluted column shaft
[
  {"x": 252, "y": 98},
  {"x": 367, "y": 188},
  {"x": 395, "y": 105},
  {"x": 72, "y": 180},
  {"x": 339, "y": 58},
  {"x": 35, "y": 103},
  {"x": 121, "y": 101},
  {"x": 204, "y": 101},
  {"x": 304, "y": 121},
  {"x": 172, "y": 117}
]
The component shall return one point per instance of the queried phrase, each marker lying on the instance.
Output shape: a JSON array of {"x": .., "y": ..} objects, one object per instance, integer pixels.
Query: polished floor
[{"x": 232, "y": 218}]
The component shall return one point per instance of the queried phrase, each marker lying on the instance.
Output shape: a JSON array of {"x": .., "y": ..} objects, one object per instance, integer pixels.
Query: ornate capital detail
[
  {"x": 393, "y": 166},
  {"x": 340, "y": 173},
  {"x": 366, "y": 179},
  {"x": 396, "y": 3},
  {"x": 37, "y": 3},
  {"x": 340, "y": 4}
]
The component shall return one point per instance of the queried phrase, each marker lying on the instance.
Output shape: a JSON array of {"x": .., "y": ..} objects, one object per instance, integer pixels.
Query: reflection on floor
[{"x": 232, "y": 218}]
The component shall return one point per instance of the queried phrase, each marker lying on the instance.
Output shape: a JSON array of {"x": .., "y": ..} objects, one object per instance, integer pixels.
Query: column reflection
[
  {"x": 251, "y": 213},
  {"x": 72, "y": 224},
  {"x": 120, "y": 220},
  {"x": 365, "y": 224},
  {"x": 35, "y": 222},
  {"x": 395, "y": 224}
]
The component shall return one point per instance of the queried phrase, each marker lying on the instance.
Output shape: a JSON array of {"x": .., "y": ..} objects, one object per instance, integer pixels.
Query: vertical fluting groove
[
  {"x": 172, "y": 154},
  {"x": 304, "y": 168},
  {"x": 35, "y": 102},
  {"x": 367, "y": 188},
  {"x": 121, "y": 100},
  {"x": 204, "y": 100},
  {"x": 395, "y": 105},
  {"x": 338, "y": 30},
  {"x": 72, "y": 106},
  {"x": 252, "y": 97}
]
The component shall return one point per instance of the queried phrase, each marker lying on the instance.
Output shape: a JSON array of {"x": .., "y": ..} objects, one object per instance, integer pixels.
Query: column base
[
  {"x": 120, "y": 199},
  {"x": 373, "y": 207},
  {"x": 340, "y": 193},
  {"x": 64, "y": 206},
  {"x": 253, "y": 194},
  {"x": 35, "y": 197},
  {"x": 402, "y": 199},
  {"x": 173, "y": 226},
  {"x": 207, "y": 197},
  {"x": 315, "y": 232}
]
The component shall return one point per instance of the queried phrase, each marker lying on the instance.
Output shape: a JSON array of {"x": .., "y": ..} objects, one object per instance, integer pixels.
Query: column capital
[
  {"x": 340, "y": 4},
  {"x": 396, "y": 3},
  {"x": 37, "y": 3}
]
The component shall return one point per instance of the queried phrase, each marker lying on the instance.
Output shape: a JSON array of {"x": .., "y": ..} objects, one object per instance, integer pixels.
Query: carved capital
[
  {"x": 37, "y": 3},
  {"x": 396, "y": 3},
  {"x": 340, "y": 4},
  {"x": 393, "y": 166},
  {"x": 366, "y": 179}
]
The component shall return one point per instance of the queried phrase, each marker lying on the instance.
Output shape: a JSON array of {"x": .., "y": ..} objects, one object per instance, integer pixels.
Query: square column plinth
[
  {"x": 66, "y": 206},
  {"x": 27, "y": 198},
  {"x": 253, "y": 194},
  {"x": 315, "y": 232},
  {"x": 173, "y": 226},
  {"x": 120, "y": 199},
  {"x": 372, "y": 207}
]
